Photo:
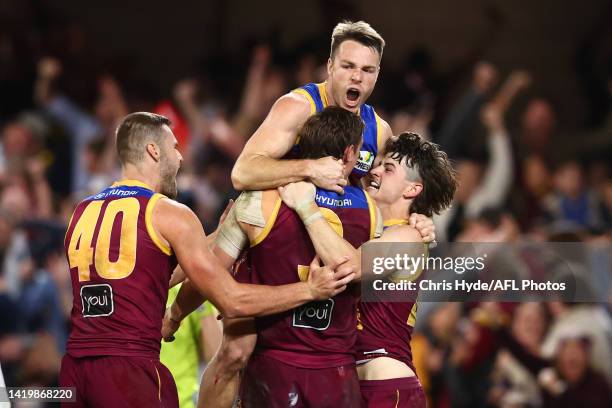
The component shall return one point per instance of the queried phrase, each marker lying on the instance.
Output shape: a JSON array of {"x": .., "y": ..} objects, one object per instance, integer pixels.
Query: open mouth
[
  {"x": 374, "y": 185},
  {"x": 352, "y": 94}
]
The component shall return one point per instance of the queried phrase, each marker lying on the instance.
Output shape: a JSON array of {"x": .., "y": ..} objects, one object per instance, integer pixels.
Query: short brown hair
[
  {"x": 329, "y": 133},
  {"x": 361, "y": 32},
  {"x": 435, "y": 171},
  {"x": 136, "y": 129}
]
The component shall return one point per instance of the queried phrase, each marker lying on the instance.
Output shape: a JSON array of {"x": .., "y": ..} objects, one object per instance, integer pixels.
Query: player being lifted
[
  {"x": 122, "y": 245},
  {"x": 323, "y": 347},
  {"x": 412, "y": 176},
  {"x": 353, "y": 68}
]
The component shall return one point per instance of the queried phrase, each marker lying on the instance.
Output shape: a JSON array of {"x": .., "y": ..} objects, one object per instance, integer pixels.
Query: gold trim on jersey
[
  {"x": 158, "y": 382},
  {"x": 313, "y": 107},
  {"x": 395, "y": 221},
  {"x": 269, "y": 224},
  {"x": 323, "y": 94},
  {"x": 412, "y": 316},
  {"x": 132, "y": 183},
  {"x": 149, "y": 223},
  {"x": 68, "y": 228},
  {"x": 379, "y": 132},
  {"x": 372, "y": 208}
]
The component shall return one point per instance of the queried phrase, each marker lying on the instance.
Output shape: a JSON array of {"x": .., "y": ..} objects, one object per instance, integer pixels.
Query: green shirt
[{"x": 183, "y": 355}]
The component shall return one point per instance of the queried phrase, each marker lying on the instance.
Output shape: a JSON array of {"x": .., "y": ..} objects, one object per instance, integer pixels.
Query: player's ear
[
  {"x": 329, "y": 65},
  {"x": 153, "y": 151},
  {"x": 413, "y": 190},
  {"x": 349, "y": 153}
]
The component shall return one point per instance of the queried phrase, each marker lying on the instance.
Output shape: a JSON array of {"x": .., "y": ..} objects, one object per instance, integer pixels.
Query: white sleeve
[{"x": 498, "y": 176}]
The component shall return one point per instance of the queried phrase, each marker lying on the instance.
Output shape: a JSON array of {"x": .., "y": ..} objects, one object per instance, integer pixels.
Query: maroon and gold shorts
[
  {"x": 394, "y": 393},
  {"x": 270, "y": 383},
  {"x": 118, "y": 382}
]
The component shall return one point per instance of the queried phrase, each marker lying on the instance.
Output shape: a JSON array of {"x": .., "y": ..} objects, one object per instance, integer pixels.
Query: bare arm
[
  {"x": 260, "y": 166},
  {"x": 180, "y": 227},
  {"x": 327, "y": 243},
  {"x": 211, "y": 335},
  {"x": 178, "y": 275}
]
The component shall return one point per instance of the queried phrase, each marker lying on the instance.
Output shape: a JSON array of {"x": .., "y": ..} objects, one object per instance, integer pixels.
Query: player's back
[
  {"x": 385, "y": 327},
  {"x": 120, "y": 272},
  {"x": 317, "y": 334}
]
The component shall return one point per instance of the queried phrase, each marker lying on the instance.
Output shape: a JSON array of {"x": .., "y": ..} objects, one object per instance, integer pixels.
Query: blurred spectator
[
  {"x": 573, "y": 382},
  {"x": 583, "y": 319},
  {"x": 517, "y": 364},
  {"x": 571, "y": 201}
]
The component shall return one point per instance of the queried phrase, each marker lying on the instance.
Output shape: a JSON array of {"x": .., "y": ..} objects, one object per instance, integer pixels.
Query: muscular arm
[
  {"x": 260, "y": 165},
  {"x": 327, "y": 243},
  {"x": 180, "y": 227},
  {"x": 183, "y": 231},
  {"x": 179, "y": 276}
]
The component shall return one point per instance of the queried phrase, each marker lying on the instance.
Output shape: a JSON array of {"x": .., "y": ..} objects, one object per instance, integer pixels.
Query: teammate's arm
[
  {"x": 327, "y": 243},
  {"x": 180, "y": 227},
  {"x": 178, "y": 275},
  {"x": 259, "y": 166},
  {"x": 385, "y": 134}
]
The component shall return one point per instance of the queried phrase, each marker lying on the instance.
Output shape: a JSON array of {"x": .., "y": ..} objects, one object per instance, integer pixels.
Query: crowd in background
[{"x": 523, "y": 176}]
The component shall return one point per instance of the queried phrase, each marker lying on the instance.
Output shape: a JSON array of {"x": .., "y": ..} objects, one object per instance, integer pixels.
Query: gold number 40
[{"x": 81, "y": 253}]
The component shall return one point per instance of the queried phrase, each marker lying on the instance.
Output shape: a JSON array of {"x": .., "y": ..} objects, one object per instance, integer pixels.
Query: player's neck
[
  {"x": 130, "y": 172},
  {"x": 396, "y": 211}
]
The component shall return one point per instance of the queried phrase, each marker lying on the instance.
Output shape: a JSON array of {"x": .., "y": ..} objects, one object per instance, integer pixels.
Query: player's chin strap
[{"x": 308, "y": 211}]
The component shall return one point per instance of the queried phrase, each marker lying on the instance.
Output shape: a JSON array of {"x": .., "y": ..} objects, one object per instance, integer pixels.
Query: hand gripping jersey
[
  {"x": 120, "y": 272},
  {"x": 319, "y": 334},
  {"x": 372, "y": 134},
  {"x": 384, "y": 329}
]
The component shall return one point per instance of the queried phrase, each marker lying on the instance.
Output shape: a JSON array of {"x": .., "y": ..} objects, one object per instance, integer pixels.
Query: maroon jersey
[
  {"x": 384, "y": 329},
  {"x": 318, "y": 334},
  {"x": 120, "y": 272}
]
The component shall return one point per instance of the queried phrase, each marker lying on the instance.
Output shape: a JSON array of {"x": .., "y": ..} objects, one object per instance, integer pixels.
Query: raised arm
[
  {"x": 180, "y": 227},
  {"x": 259, "y": 166}
]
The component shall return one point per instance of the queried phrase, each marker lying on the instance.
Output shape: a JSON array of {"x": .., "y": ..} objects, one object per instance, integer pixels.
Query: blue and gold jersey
[{"x": 372, "y": 134}]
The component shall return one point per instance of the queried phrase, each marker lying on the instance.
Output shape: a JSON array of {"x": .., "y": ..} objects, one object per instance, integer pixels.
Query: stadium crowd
[{"x": 524, "y": 176}]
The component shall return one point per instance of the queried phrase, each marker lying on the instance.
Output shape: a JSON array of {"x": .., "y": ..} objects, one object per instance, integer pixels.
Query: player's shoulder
[
  {"x": 385, "y": 127},
  {"x": 293, "y": 103},
  {"x": 255, "y": 207},
  {"x": 401, "y": 233},
  {"x": 171, "y": 212}
]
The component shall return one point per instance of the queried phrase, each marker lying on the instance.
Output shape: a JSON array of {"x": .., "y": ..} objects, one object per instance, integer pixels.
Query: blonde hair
[{"x": 361, "y": 32}]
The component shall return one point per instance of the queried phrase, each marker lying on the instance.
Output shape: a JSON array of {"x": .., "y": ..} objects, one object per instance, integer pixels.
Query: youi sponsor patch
[
  {"x": 97, "y": 300},
  {"x": 314, "y": 315}
]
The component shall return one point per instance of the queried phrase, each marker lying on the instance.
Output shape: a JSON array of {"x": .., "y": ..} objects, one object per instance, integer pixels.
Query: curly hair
[{"x": 434, "y": 168}]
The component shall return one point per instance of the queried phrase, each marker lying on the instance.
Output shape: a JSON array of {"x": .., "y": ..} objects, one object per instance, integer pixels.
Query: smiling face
[
  {"x": 353, "y": 71},
  {"x": 389, "y": 182}
]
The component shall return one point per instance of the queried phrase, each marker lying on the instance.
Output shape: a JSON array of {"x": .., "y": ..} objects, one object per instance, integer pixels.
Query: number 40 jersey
[{"x": 120, "y": 271}]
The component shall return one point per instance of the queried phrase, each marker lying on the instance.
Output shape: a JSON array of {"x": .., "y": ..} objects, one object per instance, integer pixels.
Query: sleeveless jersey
[
  {"x": 384, "y": 329},
  {"x": 120, "y": 271},
  {"x": 319, "y": 334},
  {"x": 372, "y": 133}
]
